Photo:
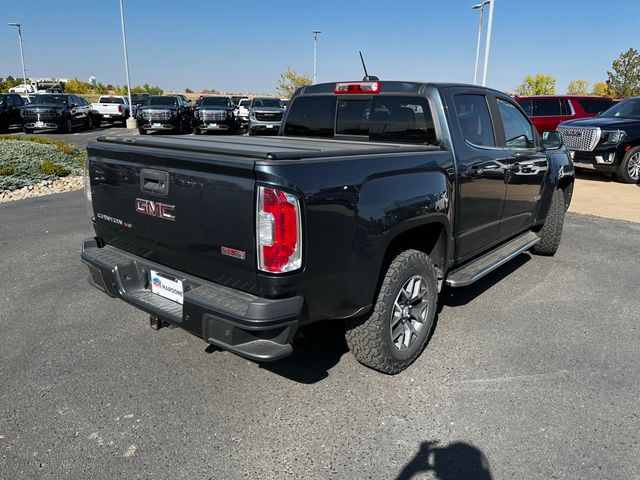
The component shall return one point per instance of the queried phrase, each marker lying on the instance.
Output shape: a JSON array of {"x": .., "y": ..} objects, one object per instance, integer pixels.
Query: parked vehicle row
[
  {"x": 172, "y": 113},
  {"x": 64, "y": 112}
]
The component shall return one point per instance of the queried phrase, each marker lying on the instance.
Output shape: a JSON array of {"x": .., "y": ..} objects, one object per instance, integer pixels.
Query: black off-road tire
[
  {"x": 551, "y": 232},
  {"x": 369, "y": 339},
  {"x": 622, "y": 174}
]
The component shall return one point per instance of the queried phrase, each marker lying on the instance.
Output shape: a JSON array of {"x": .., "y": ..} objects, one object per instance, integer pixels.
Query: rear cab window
[{"x": 381, "y": 118}]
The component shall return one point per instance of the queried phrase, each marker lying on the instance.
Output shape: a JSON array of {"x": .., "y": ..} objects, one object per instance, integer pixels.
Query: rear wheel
[
  {"x": 629, "y": 169},
  {"x": 551, "y": 232},
  {"x": 397, "y": 330},
  {"x": 68, "y": 126}
]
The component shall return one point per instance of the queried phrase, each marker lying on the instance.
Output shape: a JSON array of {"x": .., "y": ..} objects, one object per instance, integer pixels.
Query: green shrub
[
  {"x": 62, "y": 147},
  {"x": 26, "y": 162},
  {"x": 52, "y": 169}
]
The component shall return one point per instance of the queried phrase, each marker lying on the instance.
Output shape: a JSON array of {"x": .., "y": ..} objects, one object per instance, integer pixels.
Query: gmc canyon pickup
[{"x": 373, "y": 196}]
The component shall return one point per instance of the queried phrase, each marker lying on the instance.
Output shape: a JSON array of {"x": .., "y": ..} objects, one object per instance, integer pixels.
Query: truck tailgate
[{"x": 191, "y": 211}]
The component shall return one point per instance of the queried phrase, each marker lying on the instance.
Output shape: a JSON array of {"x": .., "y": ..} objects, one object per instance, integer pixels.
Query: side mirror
[{"x": 552, "y": 140}]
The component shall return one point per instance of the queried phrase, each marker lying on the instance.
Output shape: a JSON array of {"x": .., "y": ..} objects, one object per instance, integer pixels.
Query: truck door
[
  {"x": 481, "y": 170},
  {"x": 525, "y": 170}
]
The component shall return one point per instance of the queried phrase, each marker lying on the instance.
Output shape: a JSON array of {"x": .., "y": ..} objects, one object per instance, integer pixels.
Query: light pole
[
  {"x": 24, "y": 73},
  {"x": 131, "y": 123},
  {"x": 487, "y": 45},
  {"x": 478, "y": 6},
  {"x": 315, "y": 55}
]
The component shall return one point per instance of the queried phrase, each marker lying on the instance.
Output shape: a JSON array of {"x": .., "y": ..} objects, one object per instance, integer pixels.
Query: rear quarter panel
[{"x": 353, "y": 208}]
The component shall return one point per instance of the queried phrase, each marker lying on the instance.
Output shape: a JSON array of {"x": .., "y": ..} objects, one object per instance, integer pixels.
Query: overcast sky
[{"x": 243, "y": 46}]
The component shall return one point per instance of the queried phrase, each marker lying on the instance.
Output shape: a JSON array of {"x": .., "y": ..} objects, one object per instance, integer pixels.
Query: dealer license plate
[
  {"x": 156, "y": 125},
  {"x": 39, "y": 124},
  {"x": 167, "y": 287},
  {"x": 269, "y": 126}
]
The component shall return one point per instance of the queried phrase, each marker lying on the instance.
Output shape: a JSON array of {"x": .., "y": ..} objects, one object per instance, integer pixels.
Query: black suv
[
  {"x": 10, "y": 106},
  {"x": 64, "y": 112},
  {"x": 164, "y": 112},
  {"x": 214, "y": 114},
  {"x": 609, "y": 142}
]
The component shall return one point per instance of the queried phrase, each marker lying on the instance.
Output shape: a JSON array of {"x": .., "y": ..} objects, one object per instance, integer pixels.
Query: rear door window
[
  {"x": 474, "y": 119},
  {"x": 546, "y": 107}
]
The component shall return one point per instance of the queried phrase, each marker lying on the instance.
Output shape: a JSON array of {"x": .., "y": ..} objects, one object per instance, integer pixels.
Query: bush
[{"x": 23, "y": 162}]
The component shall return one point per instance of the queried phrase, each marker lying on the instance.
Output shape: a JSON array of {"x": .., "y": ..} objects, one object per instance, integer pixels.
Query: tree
[
  {"x": 624, "y": 76},
  {"x": 10, "y": 82},
  {"x": 77, "y": 86},
  {"x": 601, "y": 89},
  {"x": 188, "y": 90},
  {"x": 578, "y": 87},
  {"x": 209, "y": 90},
  {"x": 538, "y": 84},
  {"x": 290, "y": 81}
]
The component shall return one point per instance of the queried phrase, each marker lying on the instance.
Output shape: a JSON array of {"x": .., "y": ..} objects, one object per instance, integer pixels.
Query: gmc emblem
[{"x": 155, "y": 209}]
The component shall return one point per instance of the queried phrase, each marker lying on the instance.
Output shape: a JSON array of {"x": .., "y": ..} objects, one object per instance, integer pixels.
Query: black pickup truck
[{"x": 373, "y": 196}]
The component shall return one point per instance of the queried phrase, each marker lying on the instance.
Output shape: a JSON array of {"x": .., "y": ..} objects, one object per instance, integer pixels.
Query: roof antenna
[{"x": 366, "y": 78}]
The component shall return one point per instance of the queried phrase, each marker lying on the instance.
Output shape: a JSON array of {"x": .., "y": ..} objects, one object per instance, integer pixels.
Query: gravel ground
[{"x": 532, "y": 373}]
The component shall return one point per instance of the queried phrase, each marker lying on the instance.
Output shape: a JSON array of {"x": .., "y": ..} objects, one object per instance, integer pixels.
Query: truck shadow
[
  {"x": 318, "y": 349},
  {"x": 584, "y": 174},
  {"x": 456, "y": 461}
]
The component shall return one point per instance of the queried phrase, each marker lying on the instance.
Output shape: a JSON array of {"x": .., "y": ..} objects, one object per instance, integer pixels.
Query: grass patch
[{"x": 24, "y": 162}]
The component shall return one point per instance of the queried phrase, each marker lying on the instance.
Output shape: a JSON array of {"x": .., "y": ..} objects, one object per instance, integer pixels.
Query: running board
[{"x": 479, "y": 267}]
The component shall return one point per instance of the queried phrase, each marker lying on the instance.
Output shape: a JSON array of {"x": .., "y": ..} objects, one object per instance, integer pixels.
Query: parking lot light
[
  {"x": 131, "y": 122},
  {"x": 24, "y": 73},
  {"x": 478, "y": 6},
  {"x": 315, "y": 56},
  {"x": 487, "y": 46}
]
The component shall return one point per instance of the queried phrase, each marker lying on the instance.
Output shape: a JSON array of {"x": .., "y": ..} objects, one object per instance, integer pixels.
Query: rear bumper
[{"x": 257, "y": 328}]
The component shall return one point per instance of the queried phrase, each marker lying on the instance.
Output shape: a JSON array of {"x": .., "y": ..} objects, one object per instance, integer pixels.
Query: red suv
[{"x": 547, "y": 111}]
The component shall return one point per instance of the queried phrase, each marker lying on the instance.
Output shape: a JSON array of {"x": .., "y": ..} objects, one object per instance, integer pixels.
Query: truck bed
[{"x": 267, "y": 148}]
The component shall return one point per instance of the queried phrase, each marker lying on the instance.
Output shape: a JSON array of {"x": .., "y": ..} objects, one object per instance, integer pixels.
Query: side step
[{"x": 478, "y": 268}]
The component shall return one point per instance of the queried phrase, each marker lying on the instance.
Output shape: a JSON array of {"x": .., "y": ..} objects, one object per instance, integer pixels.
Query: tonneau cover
[{"x": 268, "y": 148}]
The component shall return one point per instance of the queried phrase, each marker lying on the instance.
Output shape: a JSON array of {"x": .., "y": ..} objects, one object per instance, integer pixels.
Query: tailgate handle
[{"x": 154, "y": 181}]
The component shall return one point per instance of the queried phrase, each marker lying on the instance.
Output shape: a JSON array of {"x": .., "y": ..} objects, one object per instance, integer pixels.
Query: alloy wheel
[
  {"x": 410, "y": 312},
  {"x": 633, "y": 166}
]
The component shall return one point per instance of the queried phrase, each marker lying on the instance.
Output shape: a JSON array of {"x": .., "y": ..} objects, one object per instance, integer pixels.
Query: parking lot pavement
[
  {"x": 80, "y": 138},
  {"x": 596, "y": 194},
  {"x": 532, "y": 371}
]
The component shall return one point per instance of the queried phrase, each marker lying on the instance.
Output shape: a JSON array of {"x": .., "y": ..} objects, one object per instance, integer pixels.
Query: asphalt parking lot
[
  {"x": 531, "y": 373},
  {"x": 80, "y": 138}
]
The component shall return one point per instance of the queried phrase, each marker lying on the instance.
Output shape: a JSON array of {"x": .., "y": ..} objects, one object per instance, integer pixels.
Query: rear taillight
[
  {"x": 87, "y": 188},
  {"x": 354, "y": 88},
  {"x": 120, "y": 108},
  {"x": 278, "y": 231}
]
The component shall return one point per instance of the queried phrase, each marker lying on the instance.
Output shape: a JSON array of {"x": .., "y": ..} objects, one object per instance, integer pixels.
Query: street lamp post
[
  {"x": 131, "y": 123},
  {"x": 24, "y": 73},
  {"x": 315, "y": 56},
  {"x": 487, "y": 45},
  {"x": 478, "y": 6}
]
